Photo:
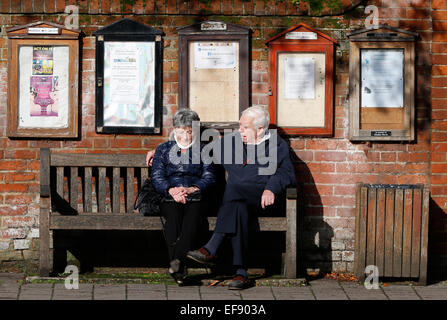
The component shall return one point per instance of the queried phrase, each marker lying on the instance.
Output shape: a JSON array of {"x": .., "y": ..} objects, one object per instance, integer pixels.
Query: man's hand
[
  {"x": 150, "y": 157},
  {"x": 191, "y": 190},
  {"x": 178, "y": 194},
  {"x": 267, "y": 199}
]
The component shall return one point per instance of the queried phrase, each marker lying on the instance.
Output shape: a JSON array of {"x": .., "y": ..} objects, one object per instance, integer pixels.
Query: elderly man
[{"x": 259, "y": 168}]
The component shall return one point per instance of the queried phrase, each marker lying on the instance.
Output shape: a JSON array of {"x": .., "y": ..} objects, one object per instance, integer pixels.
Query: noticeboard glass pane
[
  {"x": 214, "y": 80},
  {"x": 301, "y": 86},
  {"x": 129, "y": 83},
  {"x": 382, "y": 78},
  {"x": 43, "y": 86}
]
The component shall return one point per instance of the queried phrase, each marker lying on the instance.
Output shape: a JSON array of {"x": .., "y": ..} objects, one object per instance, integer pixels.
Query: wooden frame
[
  {"x": 231, "y": 33},
  {"x": 361, "y": 122},
  {"x": 302, "y": 39},
  {"x": 139, "y": 117},
  {"x": 63, "y": 122}
]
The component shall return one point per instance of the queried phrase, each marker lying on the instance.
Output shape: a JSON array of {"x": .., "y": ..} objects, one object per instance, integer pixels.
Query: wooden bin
[{"x": 391, "y": 230}]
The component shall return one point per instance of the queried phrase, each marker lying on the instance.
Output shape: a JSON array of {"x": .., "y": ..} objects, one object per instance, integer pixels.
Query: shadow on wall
[
  {"x": 314, "y": 234},
  {"x": 437, "y": 244}
]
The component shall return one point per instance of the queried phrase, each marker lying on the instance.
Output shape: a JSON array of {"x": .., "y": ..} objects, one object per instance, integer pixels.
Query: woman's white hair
[{"x": 261, "y": 117}]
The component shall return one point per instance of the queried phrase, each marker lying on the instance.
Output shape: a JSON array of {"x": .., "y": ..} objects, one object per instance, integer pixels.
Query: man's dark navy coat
[{"x": 246, "y": 181}]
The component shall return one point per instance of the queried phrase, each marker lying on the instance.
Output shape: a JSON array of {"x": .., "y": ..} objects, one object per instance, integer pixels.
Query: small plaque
[
  {"x": 381, "y": 133},
  {"x": 43, "y": 30},
  {"x": 301, "y": 35},
  {"x": 212, "y": 26}
]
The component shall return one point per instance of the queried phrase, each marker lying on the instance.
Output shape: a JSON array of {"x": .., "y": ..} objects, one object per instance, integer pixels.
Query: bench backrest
[{"x": 86, "y": 183}]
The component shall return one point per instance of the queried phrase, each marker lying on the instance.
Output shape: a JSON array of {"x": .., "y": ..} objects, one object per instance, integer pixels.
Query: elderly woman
[{"x": 179, "y": 174}]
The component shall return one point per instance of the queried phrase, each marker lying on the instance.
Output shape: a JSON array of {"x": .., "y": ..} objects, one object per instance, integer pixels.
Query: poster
[
  {"x": 129, "y": 84},
  {"x": 299, "y": 78},
  {"x": 42, "y": 60},
  {"x": 215, "y": 55},
  {"x": 382, "y": 78},
  {"x": 43, "y": 80}
]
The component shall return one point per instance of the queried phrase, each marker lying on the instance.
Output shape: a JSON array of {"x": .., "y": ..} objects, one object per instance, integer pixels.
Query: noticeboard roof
[
  {"x": 127, "y": 26},
  {"x": 299, "y": 26}
]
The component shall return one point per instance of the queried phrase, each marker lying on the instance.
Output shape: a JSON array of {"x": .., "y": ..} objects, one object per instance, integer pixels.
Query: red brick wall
[
  {"x": 438, "y": 159},
  {"x": 328, "y": 168}
]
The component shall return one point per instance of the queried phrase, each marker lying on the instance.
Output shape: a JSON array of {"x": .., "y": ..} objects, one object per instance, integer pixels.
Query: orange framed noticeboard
[{"x": 301, "y": 63}]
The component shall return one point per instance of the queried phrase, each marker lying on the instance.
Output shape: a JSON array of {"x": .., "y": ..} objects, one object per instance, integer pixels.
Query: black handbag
[{"x": 148, "y": 200}]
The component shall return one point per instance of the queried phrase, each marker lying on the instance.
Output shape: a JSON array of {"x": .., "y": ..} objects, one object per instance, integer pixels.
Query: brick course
[{"x": 328, "y": 168}]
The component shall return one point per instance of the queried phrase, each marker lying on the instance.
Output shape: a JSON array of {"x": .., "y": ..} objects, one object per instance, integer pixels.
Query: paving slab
[
  {"x": 9, "y": 287},
  {"x": 292, "y": 293},
  {"x": 84, "y": 292},
  {"x": 146, "y": 292},
  {"x": 257, "y": 293},
  {"x": 109, "y": 292},
  {"x": 432, "y": 293},
  {"x": 183, "y": 293},
  {"x": 356, "y": 291},
  {"x": 36, "y": 291},
  {"x": 219, "y": 293},
  {"x": 400, "y": 292}
]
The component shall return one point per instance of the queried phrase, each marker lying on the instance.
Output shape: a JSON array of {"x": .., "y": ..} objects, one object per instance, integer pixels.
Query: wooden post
[
  {"x": 291, "y": 235},
  {"x": 44, "y": 220},
  {"x": 424, "y": 237}
]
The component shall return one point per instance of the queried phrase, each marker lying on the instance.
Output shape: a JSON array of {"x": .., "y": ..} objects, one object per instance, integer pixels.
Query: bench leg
[
  {"x": 291, "y": 243},
  {"x": 59, "y": 253},
  {"x": 44, "y": 234}
]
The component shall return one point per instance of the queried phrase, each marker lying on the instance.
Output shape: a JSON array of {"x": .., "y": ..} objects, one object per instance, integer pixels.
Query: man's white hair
[{"x": 261, "y": 117}]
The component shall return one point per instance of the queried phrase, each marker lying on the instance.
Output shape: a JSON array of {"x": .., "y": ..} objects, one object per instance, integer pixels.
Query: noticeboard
[
  {"x": 214, "y": 72},
  {"x": 128, "y": 78},
  {"x": 381, "y": 84},
  {"x": 43, "y": 81},
  {"x": 301, "y": 81}
]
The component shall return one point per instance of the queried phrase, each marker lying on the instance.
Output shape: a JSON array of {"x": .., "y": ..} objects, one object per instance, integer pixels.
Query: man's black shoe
[
  {"x": 239, "y": 282},
  {"x": 201, "y": 256}
]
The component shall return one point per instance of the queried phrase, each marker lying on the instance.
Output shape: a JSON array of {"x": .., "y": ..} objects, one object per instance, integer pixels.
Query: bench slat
[
  {"x": 102, "y": 221},
  {"x": 130, "y": 189},
  {"x": 87, "y": 189},
  {"x": 144, "y": 175},
  {"x": 102, "y": 189},
  {"x": 116, "y": 190},
  {"x": 60, "y": 181},
  {"x": 95, "y": 160},
  {"x": 74, "y": 188}
]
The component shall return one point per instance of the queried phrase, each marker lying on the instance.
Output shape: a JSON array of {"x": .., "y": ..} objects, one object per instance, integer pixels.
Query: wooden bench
[{"x": 97, "y": 192}]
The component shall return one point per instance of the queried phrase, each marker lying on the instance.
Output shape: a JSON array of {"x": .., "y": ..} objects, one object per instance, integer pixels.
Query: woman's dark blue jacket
[{"x": 174, "y": 168}]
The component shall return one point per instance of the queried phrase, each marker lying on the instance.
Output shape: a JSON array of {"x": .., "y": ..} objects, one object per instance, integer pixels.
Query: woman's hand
[
  {"x": 150, "y": 157},
  {"x": 178, "y": 194}
]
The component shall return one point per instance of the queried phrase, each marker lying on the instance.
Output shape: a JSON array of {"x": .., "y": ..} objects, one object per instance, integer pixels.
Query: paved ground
[{"x": 322, "y": 289}]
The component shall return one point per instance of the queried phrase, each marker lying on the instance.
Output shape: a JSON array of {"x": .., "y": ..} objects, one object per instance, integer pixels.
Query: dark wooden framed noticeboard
[
  {"x": 301, "y": 65},
  {"x": 382, "y": 84},
  {"x": 214, "y": 72},
  {"x": 43, "y": 73},
  {"x": 129, "y": 59}
]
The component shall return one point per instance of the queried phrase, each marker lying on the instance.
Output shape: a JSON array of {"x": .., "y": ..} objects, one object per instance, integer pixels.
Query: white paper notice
[
  {"x": 299, "y": 78},
  {"x": 382, "y": 78},
  {"x": 124, "y": 77},
  {"x": 215, "y": 55}
]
